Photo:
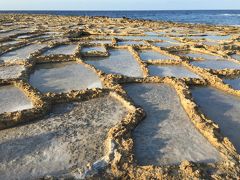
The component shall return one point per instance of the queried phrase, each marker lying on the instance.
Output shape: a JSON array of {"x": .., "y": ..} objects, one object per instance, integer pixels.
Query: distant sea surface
[{"x": 219, "y": 17}]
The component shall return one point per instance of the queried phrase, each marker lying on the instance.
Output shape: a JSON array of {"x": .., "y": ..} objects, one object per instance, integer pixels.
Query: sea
[{"x": 216, "y": 17}]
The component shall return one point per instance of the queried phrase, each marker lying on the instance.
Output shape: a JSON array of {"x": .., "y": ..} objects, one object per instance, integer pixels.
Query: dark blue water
[{"x": 220, "y": 17}]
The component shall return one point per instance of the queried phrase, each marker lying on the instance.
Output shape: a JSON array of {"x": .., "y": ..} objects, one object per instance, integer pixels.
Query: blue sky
[{"x": 117, "y": 4}]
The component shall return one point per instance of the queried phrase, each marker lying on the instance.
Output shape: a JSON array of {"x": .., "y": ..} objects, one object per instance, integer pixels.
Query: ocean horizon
[
  {"x": 215, "y": 17},
  {"x": 84, "y": 96}
]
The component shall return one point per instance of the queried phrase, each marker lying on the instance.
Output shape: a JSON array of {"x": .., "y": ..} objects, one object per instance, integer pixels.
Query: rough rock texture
[
  {"x": 121, "y": 34},
  {"x": 71, "y": 136}
]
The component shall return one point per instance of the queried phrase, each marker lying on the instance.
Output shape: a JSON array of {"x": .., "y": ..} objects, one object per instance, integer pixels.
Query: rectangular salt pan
[
  {"x": 166, "y": 136},
  {"x": 153, "y": 55},
  {"x": 94, "y": 48},
  {"x": 216, "y": 64},
  {"x": 211, "y": 37},
  {"x": 223, "y": 109},
  {"x": 218, "y": 38},
  {"x": 166, "y": 44},
  {"x": 203, "y": 56},
  {"x": 234, "y": 82},
  {"x": 101, "y": 42},
  {"x": 172, "y": 70},
  {"x": 168, "y": 39},
  {"x": 211, "y": 43},
  {"x": 151, "y": 33},
  {"x": 126, "y": 43},
  {"x": 72, "y": 135},
  {"x": 146, "y": 38},
  {"x": 13, "y": 99},
  {"x": 21, "y": 53},
  {"x": 63, "y": 49},
  {"x": 137, "y": 37},
  {"x": 63, "y": 77},
  {"x": 119, "y": 62}
]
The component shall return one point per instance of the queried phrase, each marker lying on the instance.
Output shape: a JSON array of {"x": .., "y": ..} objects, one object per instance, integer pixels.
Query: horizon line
[{"x": 124, "y": 10}]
